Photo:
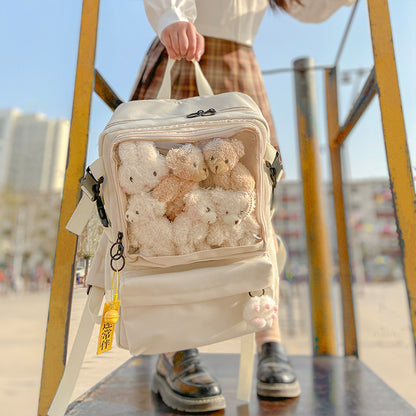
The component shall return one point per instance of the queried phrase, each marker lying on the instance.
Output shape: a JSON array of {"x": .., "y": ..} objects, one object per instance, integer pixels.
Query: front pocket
[
  {"x": 192, "y": 283},
  {"x": 187, "y": 306}
]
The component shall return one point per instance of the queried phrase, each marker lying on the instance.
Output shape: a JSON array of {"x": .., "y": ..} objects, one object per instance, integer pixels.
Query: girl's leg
[
  {"x": 273, "y": 334},
  {"x": 269, "y": 335},
  {"x": 275, "y": 374}
]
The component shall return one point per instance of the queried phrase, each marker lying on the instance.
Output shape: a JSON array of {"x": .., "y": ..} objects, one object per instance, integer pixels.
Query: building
[
  {"x": 373, "y": 241},
  {"x": 7, "y": 122},
  {"x": 372, "y": 229},
  {"x": 289, "y": 224},
  {"x": 33, "y": 151}
]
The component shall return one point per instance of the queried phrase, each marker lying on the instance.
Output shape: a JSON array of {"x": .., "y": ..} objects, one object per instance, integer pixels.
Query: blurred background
[{"x": 37, "y": 75}]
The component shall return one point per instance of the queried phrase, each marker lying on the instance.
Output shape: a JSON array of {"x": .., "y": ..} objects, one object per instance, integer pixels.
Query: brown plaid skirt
[{"x": 228, "y": 66}]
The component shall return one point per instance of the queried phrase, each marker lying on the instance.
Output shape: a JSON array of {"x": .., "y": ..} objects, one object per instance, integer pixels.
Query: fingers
[
  {"x": 170, "y": 45},
  {"x": 190, "y": 52},
  {"x": 169, "y": 38},
  {"x": 200, "y": 46},
  {"x": 182, "y": 40}
]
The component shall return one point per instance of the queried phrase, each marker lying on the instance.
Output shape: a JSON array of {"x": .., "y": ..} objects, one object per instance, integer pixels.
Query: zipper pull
[{"x": 202, "y": 113}]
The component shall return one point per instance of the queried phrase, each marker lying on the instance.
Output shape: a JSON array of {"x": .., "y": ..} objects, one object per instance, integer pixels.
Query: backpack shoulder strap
[
  {"x": 81, "y": 341},
  {"x": 245, "y": 376}
]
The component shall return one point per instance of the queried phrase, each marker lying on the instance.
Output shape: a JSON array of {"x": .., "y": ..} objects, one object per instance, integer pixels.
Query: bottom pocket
[
  {"x": 165, "y": 328},
  {"x": 185, "y": 309}
]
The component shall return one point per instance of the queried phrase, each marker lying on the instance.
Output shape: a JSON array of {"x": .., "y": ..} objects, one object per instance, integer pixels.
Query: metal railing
[{"x": 383, "y": 81}]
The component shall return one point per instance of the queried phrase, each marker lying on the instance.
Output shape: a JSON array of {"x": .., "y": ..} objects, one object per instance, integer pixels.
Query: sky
[{"x": 39, "y": 41}]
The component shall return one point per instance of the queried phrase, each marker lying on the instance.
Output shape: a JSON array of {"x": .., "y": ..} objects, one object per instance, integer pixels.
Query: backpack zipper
[
  {"x": 202, "y": 113},
  {"x": 209, "y": 112}
]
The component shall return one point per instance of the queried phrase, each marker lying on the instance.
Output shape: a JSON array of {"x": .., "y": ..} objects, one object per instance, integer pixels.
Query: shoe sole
[
  {"x": 278, "y": 390},
  {"x": 184, "y": 404}
]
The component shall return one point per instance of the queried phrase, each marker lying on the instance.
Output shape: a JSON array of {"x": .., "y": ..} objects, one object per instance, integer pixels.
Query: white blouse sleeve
[
  {"x": 316, "y": 11},
  {"x": 162, "y": 13}
]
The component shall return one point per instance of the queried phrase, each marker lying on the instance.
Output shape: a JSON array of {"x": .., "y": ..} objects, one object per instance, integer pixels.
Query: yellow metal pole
[
  {"x": 401, "y": 180},
  {"x": 350, "y": 335},
  {"x": 360, "y": 105},
  {"x": 61, "y": 291},
  {"x": 319, "y": 254},
  {"x": 105, "y": 92}
]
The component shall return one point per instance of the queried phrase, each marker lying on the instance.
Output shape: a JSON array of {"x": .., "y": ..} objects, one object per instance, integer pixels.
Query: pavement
[{"x": 383, "y": 331}]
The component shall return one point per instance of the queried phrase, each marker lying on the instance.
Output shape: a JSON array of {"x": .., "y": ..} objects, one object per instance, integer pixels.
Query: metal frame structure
[
  {"x": 397, "y": 151},
  {"x": 56, "y": 340},
  {"x": 317, "y": 235},
  {"x": 383, "y": 80}
]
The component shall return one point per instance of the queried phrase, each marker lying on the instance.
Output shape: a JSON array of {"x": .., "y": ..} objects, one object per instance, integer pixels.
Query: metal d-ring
[
  {"x": 119, "y": 253},
  {"x": 117, "y": 269},
  {"x": 253, "y": 296}
]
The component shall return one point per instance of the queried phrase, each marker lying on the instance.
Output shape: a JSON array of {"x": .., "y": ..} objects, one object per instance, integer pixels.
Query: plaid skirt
[{"x": 228, "y": 66}]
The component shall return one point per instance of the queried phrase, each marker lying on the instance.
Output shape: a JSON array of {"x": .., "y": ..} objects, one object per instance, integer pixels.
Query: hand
[{"x": 182, "y": 40}]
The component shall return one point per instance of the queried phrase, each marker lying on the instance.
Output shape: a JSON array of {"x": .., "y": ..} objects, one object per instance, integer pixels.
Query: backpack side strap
[
  {"x": 273, "y": 162},
  {"x": 245, "y": 376},
  {"x": 81, "y": 341},
  {"x": 90, "y": 186}
]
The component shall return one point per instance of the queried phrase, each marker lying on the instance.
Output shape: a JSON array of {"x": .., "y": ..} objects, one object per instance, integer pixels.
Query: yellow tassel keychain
[
  {"x": 109, "y": 320},
  {"x": 110, "y": 311},
  {"x": 112, "y": 315}
]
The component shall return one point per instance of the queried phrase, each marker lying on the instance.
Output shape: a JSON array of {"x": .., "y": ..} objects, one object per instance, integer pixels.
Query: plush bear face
[
  {"x": 199, "y": 206},
  {"x": 222, "y": 155},
  {"x": 140, "y": 179},
  {"x": 232, "y": 206},
  {"x": 144, "y": 208},
  {"x": 142, "y": 167},
  {"x": 260, "y": 311},
  {"x": 187, "y": 162}
]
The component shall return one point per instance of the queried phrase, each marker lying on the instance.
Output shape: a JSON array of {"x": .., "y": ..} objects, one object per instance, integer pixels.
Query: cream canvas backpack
[{"x": 171, "y": 301}]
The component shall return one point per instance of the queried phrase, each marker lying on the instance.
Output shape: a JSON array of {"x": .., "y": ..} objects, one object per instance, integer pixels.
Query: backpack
[{"x": 195, "y": 249}]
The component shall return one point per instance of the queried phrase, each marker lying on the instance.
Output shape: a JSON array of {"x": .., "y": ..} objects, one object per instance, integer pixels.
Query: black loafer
[
  {"x": 275, "y": 374},
  {"x": 186, "y": 385}
]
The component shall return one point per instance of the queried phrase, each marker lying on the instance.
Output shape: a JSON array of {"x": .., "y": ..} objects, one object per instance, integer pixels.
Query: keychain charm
[
  {"x": 112, "y": 315},
  {"x": 110, "y": 311},
  {"x": 260, "y": 311}
]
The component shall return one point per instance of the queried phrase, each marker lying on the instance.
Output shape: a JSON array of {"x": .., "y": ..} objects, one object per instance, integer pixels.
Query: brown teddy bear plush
[
  {"x": 187, "y": 169},
  {"x": 227, "y": 172}
]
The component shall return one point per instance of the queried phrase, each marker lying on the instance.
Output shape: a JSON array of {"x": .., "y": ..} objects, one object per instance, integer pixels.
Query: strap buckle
[
  {"x": 91, "y": 187},
  {"x": 276, "y": 169}
]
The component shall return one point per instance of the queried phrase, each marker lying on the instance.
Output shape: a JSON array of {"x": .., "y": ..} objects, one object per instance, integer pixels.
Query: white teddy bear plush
[
  {"x": 249, "y": 231},
  {"x": 232, "y": 208},
  {"x": 149, "y": 230},
  {"x": 141, "y": 168},
  {"x": 260, "y": 311},
  {"x": 190, "y": 228}
]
